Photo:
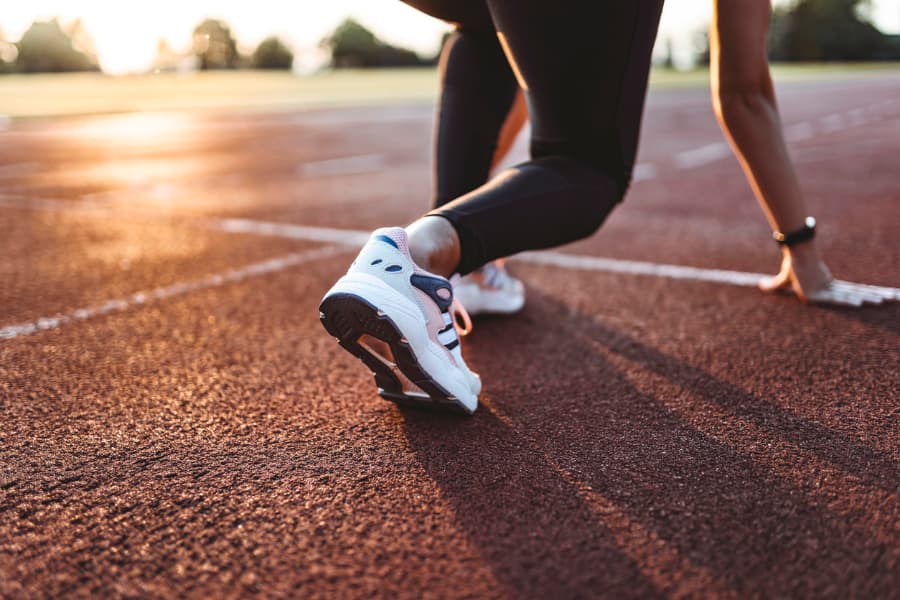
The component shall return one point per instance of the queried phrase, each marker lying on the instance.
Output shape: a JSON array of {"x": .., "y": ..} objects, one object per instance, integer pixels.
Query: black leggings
[{"x": 583, "y": 65}]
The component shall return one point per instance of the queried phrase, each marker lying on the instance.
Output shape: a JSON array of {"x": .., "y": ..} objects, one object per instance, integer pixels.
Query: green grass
[
  {"x": 23, "y": 96},
  {"x": 782, "y": 73},
  {"x": 91, "y": 93}
]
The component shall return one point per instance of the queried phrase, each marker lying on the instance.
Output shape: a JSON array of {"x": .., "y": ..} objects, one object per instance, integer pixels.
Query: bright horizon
[{"x": 126, "y": 34}]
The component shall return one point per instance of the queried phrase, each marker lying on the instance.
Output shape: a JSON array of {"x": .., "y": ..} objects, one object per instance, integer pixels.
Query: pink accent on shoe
[
  {"x": 398, "y": 234},
  {"x": 434, "y": 320}
]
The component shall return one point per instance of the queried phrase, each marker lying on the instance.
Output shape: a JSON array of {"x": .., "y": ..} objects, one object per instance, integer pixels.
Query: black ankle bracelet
[{"x": 804, "y": 234}]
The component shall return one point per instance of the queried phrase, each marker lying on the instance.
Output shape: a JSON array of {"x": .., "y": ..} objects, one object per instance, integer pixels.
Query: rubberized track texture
[{"x": 175, "y": 423}]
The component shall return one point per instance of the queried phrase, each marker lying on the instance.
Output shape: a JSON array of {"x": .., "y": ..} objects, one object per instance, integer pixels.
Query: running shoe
[
  {"x": 490, "y": 290},
  {"x": 400, "y": 321}
]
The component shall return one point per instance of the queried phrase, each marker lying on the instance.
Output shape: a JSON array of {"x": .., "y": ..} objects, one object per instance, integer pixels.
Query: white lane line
[
  {"x": 856, "y": 117},
  {"x": 346, "y": 165},
  {"x": 170, "y": 291},
  {"x": 832, "y": 123},
  {"x": 355, "y": 238},
  {"x": 797, "y": 132},
  {"x": 347, "y": 237},
  {"x": 804, "y": 130},
  {"x": 717, "y": 151},
  {"x": 632, "y": 267},
  {"x": 704, "y": 155}
]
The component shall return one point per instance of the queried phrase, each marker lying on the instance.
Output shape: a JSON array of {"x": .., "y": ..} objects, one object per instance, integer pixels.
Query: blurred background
[{"x": 268, "y": 54}]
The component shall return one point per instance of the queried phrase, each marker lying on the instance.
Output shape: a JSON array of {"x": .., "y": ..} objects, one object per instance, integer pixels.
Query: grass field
[{"x": 78, "y": 94}]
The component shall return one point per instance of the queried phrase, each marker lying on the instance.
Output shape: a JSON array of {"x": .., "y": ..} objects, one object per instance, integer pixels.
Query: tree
[
  {"x": 165, "y": 59},
  {"x": 46, "y": 48},
  {"x": 272, "y": 53},
  {"x": 827, "y": 30},
  {"x": 353, "y": 46},
  {"x": 215, "y": 46},
  {"x": 81, "y": 39},
  {"x": 701, "y": 48},
  {"x": 8, "y": 54}
]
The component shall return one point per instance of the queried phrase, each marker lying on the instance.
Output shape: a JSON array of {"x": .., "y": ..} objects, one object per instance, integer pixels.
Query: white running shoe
[
  {"x": 397, "y": 319},
  {"x": 490, "y": 290}
]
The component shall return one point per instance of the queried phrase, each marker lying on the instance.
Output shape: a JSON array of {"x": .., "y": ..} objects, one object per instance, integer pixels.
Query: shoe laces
[{"x": 494, "y": 275}]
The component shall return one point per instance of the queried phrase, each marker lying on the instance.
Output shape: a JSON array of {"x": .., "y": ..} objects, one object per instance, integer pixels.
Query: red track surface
[{"x": 637, "y": 437}]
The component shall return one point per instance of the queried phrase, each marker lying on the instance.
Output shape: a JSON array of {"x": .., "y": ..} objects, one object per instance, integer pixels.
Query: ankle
[
  {"x": 807, "y": 266},
  {"x": 434, "y": 245}
]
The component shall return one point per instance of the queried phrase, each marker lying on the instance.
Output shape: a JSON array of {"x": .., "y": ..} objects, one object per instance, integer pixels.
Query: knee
[
  {"x": 600, "y": 193},
  {"x": 598, "y": 161}
]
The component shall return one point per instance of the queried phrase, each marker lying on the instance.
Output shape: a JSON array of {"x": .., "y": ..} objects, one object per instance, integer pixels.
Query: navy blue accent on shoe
[
  {"x": 375, "y": 262},
  {"x": 446, "y": 329},
  {"x": 387, "y": 240},
  {"x": 431, "y": 286},
  {"x": 393, "y": 268},
  {"x": 452, "y": 345}
]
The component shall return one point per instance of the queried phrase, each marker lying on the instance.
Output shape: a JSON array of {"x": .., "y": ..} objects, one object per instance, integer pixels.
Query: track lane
[{"x": 638, "y": 437}]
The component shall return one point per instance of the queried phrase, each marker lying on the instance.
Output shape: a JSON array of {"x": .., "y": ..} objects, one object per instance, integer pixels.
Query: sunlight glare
[
  {"x": 126, "y": 34},
  {"x": 133, "y": 128}
]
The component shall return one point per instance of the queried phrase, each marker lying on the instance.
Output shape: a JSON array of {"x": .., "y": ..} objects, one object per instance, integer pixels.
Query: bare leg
[
  {"x": 434, "y": 245},
  {"x": 744, "y": 100}
]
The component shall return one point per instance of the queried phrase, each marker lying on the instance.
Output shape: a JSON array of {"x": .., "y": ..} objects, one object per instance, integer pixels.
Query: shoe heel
[{"x": 348, "y": 318}]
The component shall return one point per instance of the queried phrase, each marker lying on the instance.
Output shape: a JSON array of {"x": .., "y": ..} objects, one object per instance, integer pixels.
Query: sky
[{"x": 126, "y": 33}]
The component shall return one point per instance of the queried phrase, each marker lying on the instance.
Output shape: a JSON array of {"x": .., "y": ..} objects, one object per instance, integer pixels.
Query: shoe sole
[{"x": 349, "y": 317}]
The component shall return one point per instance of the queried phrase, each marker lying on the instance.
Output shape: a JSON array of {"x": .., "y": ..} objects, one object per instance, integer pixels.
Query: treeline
[
  {"x": 215, "y": 48},
  {"x": 828, "y": 30},
  {"x": 48, "y": 47},
  {"x": 353, "y": 46},
  {"x": 804, "y": 30},
  {"x": 821, "y": 31}
]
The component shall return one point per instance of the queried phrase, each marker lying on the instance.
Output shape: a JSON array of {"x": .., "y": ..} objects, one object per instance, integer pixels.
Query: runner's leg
[{"x": 584, "y": 66}]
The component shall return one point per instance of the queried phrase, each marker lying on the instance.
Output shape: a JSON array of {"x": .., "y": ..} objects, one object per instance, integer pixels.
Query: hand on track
[{"x": 815, "y": 285}]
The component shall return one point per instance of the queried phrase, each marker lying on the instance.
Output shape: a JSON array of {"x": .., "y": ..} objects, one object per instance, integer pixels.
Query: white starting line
[
  {"x": 344, "y": 240},
  {"x": 347, "y": 165},
  {"x": 354, "y": 238},
  {"x": 170, "y": 291},
  {"x": 804, "y": 130}
]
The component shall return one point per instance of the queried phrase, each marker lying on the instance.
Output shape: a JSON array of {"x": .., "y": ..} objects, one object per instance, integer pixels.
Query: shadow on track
[
  {"x": 886, "y": 316},
  {"x": 528, "y": 523},
  {"x": 559, "y": 418}
]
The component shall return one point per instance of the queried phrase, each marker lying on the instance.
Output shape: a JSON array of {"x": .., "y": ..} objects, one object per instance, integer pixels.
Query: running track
[{"x": 176, "y": 423}]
